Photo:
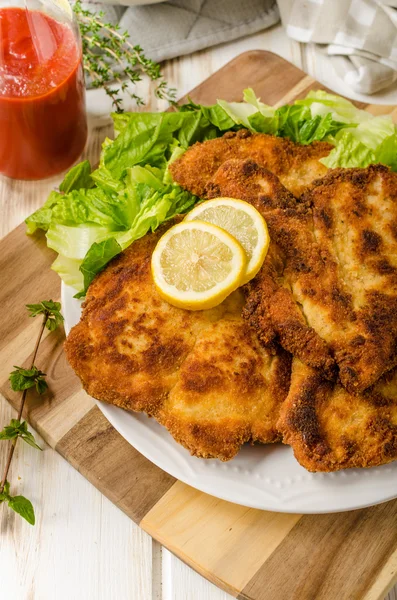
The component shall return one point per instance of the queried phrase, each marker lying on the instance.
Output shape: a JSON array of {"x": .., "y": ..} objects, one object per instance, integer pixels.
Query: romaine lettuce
[
  {"x": 97, "y": 214},
  {"x": 78, "y": 177}
]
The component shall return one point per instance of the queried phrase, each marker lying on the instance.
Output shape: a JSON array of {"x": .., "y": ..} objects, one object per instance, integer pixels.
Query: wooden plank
[
  {"x": 273, "y": 81},
  {"x": 252, "y": 554},
  {"x": 205, "y": 533},
  {"x": 329, "y": 556},
  {"x": 24, "y": 268},
  {"x": 126, "y": 477}
]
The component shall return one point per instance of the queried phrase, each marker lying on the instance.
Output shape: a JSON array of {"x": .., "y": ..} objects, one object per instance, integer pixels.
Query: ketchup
[{"x": 43, "y": 126}]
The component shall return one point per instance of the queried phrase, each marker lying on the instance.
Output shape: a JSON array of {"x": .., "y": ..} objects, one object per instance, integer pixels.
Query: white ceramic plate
[{"x": 266, "y": 477}]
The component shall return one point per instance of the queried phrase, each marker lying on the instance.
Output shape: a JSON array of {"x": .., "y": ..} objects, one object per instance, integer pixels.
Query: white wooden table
[{"x": 82, "y": 546}]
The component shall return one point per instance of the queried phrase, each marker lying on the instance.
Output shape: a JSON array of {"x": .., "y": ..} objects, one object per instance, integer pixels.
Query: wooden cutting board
[{"x": 252, "y": 554}]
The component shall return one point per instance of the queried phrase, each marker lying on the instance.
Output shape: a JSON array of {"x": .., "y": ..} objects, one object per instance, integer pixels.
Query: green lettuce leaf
[
  {"x": 97, "y": 258},
  {"x": 373, "y": 131},
  {"x": 190, "y": 128},
  {"x": 41, "y": 218},
  {"x": 68, "y": 270},
  {"x": 250, "y": 97},
  {"x": 372, "y": 141},
  {"x": 296, "y": 123},
  {"x": 341, "y": 109},
  {"x": 386, "y": 152},
  {"x": 144, "y": 138},
  {"x": 104, "y": 180},
  {"x": 218, "y": 117},
  {"x": 133, "y": 144},
  {"x": 238, "y": 112},
  {"x": 95, "y": 205},
  {"x": 78, "y": 177},
  {"x": 74, "y": 242},
  {"x": 349, "y": 152}
]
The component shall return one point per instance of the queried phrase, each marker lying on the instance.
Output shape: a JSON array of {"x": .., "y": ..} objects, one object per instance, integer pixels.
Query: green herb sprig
[
  {"x": 21, "y": 380},
  {"x": 112, "y": 62}
]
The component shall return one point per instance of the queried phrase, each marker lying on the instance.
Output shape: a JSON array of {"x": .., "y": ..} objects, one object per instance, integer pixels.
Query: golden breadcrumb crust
[
  {"x": 330, "y": 429},
  {"x": 295, "y": 165},
  {"x": 202, "y": 374},
  {"x": 328, "y": 288}
]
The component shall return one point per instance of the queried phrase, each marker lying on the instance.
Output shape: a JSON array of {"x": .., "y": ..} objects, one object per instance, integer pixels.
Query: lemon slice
[
  {"x": 196, "y": 265},
  {"x": 243, "y": 222}
]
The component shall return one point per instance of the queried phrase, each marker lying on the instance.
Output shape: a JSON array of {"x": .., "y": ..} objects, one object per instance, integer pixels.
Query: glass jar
[{"x": 43, "y": 126}]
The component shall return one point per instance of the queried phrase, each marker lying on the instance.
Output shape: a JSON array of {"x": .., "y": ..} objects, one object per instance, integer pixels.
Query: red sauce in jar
[{"x": 43, "y": 126}]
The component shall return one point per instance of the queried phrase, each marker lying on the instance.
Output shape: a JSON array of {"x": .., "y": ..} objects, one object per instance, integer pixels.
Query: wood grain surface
[{"x": 252, "y": 554}]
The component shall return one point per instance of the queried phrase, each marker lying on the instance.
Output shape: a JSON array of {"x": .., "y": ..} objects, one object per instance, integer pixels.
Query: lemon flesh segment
[
  {"x": 196, "y": 265},
  {"x": 243, "y": 222}
]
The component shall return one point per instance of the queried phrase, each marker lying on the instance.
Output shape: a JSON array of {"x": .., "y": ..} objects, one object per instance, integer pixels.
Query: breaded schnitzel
[
  {"x": 328, "y": 288},
  {"x": 330, "y": 429},
  {"x": 202, "y": 374},
  {"x": 228, "y": 392},
  {"x": 295, "y": 165}
]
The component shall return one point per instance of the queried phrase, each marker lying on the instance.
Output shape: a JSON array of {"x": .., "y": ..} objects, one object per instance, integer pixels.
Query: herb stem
[
  {"x": 101, "y": 63},
  {"x": 13, "y": 443},
  {"x": 123, "y": 39}
]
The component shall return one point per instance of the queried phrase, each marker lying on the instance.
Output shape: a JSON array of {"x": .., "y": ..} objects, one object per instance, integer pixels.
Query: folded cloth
[
  {"x": 361, "y": 37},
  {"x": 180, "y": 27}
]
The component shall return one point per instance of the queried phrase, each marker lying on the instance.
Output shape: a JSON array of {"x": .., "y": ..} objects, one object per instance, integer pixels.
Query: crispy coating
[
  {"x": 228, "y": 392},
  {"x": 330, "y": 429},
  {"x": 271, "y": 308},
  {"x": 295, "y": 165},
  {"x": 354, "y": 304},
  {"x": 328, "y": 288},
  {"x": 202, "y": 374},
  {"x": 246, "y": 180}
]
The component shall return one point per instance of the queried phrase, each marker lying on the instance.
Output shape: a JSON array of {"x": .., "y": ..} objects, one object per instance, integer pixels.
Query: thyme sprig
[
  {"x": 21, "y": 380},
  {"x": 112, "y": 62}
]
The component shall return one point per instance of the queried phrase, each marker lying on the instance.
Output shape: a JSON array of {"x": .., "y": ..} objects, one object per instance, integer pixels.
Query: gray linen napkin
[
  {"x": 180, "y": 27},
  {"x": 360, "y": 36}
]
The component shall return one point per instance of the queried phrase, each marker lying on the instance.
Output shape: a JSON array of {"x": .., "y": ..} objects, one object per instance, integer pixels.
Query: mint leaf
[
  {"x": 29, "y": 439},
  {"x": 10, "y": 431},
  {"x": 16, "y": 429},
  {"x": 23, "y": 379},
  {"x": 23, "y": 507},
  {"x": 41, "y": 386},
  {"x": 49, "y": 308}
]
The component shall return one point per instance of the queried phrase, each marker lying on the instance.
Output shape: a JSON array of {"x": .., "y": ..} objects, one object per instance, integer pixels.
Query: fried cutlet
[
  {"x": 328, "y": 288},
  {"x": 202, "y": 374},
  {"x": 228, "y": 392},
  {"x": 295, "y": 165},
  {"x": 330, "y": 429}
]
